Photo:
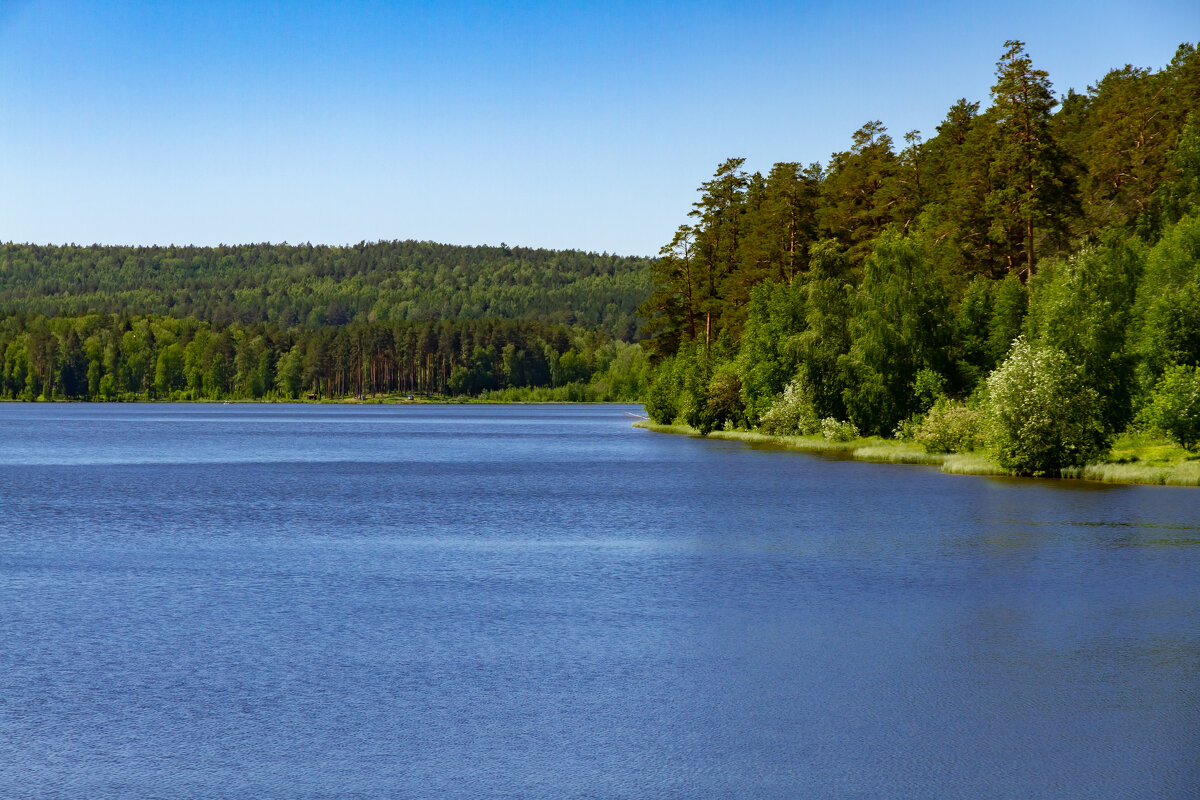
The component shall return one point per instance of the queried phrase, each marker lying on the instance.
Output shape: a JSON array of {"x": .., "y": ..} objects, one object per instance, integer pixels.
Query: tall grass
[
  {"x": 812, "y": 443},
  {"x": 898, "y": 453},
  {"x": 972, "y": 464},
  {"x": 1181, "y": 473}
]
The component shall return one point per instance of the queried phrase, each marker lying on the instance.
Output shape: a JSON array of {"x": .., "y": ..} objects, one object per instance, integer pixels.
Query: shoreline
[{"x": 889, "y": 451}]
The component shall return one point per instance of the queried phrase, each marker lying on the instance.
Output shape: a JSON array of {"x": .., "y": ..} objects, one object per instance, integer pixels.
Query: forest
[
  {"x": 122, "y": 357},
  {"x": 305, "y": 321},
  {"x": 317, "y": 285},
  {"x": 1026, "y": 280}
]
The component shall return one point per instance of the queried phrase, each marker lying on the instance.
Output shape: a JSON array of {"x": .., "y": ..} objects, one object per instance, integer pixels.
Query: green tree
[
  {"x": 1083, "y": 306},
  {"x": 723, "y": 289},
  {"x": 856, "y": 202},
  {"x": 782, "y": 224},
  {"x": 289, "y": 373},
  {"x": 1032, "y": 193},
  {"x": 1174, "y": 407},
  {"x": 901, "y": 326},
  {"x": 1010, "y": 304},
  {"x": 72, "y": 367},
  {"x": 1168, "y": 302},
  {"x": 673, "y": 306},
  {"x": 169, "y": 370},
  {"x": 958, "y": 161},
  {"x": 767, "y": 357},
  {"x": 826, "y": 335}
]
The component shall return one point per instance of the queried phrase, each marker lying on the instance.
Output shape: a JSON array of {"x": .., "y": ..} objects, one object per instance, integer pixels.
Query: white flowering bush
[
  {"x": 792, "y": 413},
  {"x": 836, "y": 431},
  {"x": 1040, "y": 415}
]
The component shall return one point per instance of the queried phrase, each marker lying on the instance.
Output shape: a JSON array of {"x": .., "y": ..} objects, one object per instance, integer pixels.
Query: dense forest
[
  {"x": 286, "y": 322},
  {"x": 1025, "y": 279},
  {"x": 114, "y": 357},
  {"x": 316, "y": 285}
]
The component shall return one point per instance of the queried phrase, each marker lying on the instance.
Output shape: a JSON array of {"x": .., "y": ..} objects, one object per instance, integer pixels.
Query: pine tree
[{"x": 1032, "y": 195}]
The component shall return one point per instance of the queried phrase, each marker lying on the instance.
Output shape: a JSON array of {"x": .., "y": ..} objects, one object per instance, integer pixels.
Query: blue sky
[{"x": 568, "y": 125}]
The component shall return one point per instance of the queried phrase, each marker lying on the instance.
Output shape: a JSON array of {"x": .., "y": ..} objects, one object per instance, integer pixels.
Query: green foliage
[
  {"x": 1181, "y": 195},
  {"x": 1083, "y": 306},
  {"x": 768, "y": 358},
  {"x": 1174, "y": 407},
  {"x": 1168, "y": 301},
  {"x": 898, "y": 330},
  {"x": 989, "y": 317},
  {"x": 662, "y": 396},
  {"x": 1010, "y": 303},
  {"x": 826, "y": 335},
  {"x": 1041, "y": 415},
  {"x": 723, "y": 404},
  {"x": 622, "y": 372},
  {"x": 950, "y": 427},
  {"x": 289, "y": 375},
  {"x": 858, "y": 190},
  {"x": 928, "y": 388}
]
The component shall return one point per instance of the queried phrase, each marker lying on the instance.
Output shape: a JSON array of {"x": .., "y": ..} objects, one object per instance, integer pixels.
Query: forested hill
[{"x": 313, "y": 286}]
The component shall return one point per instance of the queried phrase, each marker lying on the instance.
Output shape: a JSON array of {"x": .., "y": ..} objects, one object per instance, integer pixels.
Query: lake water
[{"x": 542, "y": 601}]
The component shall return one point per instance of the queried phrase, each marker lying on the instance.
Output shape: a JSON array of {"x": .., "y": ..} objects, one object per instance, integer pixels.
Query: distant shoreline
[{"x": 344, "y": 401}]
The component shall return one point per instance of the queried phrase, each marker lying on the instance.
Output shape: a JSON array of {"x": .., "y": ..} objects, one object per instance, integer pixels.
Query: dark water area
[{"x": 542, "y": 601}]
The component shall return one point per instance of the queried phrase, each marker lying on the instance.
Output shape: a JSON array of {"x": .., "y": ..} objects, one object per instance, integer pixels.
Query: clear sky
[{"x": 570, "y": 125}]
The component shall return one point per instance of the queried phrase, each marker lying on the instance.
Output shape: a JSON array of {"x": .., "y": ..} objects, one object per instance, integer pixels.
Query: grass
[
  {"x": 897, "y": 453},
  {"x": 972, "y": 464},
  {"x": 658, "y": 428},
  {"x": 810, "y": 443},
  {"x": 1141, "y": 458},
  {"x": 1135, "y": 458}
]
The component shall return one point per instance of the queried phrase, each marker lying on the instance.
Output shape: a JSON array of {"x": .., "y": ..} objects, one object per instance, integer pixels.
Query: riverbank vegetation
[{"x": 1018, "y": 293}]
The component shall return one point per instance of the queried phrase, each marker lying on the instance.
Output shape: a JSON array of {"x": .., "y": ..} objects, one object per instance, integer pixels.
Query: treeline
[
  {"x": 891, "y": 281},
  {"x": 120, "y": 357},
  {"x": 314, "y": 286}
]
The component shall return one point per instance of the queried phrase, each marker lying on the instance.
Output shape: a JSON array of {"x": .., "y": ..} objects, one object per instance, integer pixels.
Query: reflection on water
[{"x": 284, "y": 601}]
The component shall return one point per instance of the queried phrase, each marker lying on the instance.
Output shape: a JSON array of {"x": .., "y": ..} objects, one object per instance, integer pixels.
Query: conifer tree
[{"x": 1032, "y": 193}]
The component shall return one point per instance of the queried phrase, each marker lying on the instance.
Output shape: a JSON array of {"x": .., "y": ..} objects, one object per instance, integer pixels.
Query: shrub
[
  {"x": 793, "y": 413},
  {"x": 1040, "y": 415},
  {"x": 950, "y": 427},
  {"x": 1174, "y": 407},
  {"x": 724, "y": 402},
  {"x": 906, "y": 430},
  {"x": 662, "y": 403},
  {"x": 836, "y": 431}
]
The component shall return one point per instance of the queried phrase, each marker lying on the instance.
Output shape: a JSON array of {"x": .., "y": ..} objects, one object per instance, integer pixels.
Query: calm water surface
[{"x": 309, "y": 602}]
